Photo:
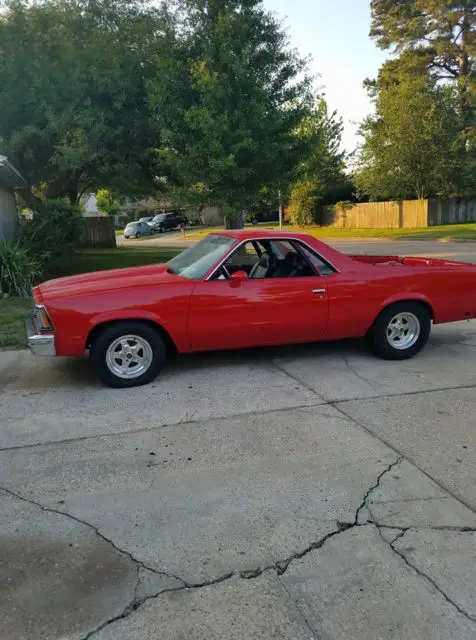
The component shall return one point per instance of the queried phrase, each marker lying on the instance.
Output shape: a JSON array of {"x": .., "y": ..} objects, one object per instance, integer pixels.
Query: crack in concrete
[
  {"x": 129, "y": 555},
  {"x": 280, "y": 566},
  {"x": 424, "y": 575},
  {"x": 371, "y": 383},
  {"x": 364, "y": 504},
  {"x": 442, "y": 527},
  {"x": 313, "y": 633},
  {"x": 321, "y": 401},
  {"x": 297, "y": 379},
  {"x": 401, "y": 534}
]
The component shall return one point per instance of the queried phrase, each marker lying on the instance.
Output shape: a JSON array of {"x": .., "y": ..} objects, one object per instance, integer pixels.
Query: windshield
[
  {"x": 194, "y": 262},
  {"x": 159, "y": 217}
]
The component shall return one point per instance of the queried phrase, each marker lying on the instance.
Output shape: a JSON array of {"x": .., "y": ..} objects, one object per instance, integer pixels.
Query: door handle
[{"x": 321, "y": 291}]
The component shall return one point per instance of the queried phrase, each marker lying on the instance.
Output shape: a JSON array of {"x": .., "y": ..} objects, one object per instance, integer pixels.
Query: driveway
[{"x": 290, "y": 494}]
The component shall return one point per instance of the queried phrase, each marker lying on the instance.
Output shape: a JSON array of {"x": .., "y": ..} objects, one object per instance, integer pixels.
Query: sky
[{"x": 335, "y": 34}]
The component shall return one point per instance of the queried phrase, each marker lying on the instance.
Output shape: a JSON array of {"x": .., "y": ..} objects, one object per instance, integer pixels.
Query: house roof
[{"x": 9, "y": 176}]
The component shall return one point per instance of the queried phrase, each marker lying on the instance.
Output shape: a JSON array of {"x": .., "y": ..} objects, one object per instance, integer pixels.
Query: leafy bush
[
  {"x": 302, "y": 204},
  {"x": 53, "y": 232},
  {"x": 18, "y": 269}
]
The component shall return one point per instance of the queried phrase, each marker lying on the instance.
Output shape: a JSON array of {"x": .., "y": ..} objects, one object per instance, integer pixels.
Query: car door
[{"x": 228, "y": 313}]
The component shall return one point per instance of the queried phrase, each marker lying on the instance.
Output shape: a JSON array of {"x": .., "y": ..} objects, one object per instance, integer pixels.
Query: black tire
[
  {"x": 378, "y": 337},
  {"x": 111, "y": 333},
  {"x": 138, "y": 234},
  {"x": 161, "y": 229},
  {"x": 254, "y": 221}
]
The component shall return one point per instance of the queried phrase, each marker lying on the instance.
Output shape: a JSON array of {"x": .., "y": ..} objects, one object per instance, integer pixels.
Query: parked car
[
  {"x": 166, "y": 221},
  {"x": 138, "y": 229},
  {"x": 238, "y": 289},
  {"x": 269, "y": 215}
]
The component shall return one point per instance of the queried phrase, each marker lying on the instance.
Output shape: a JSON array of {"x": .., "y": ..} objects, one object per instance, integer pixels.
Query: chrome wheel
[
  {"x": 403, "y": 331},
  {"x": 129, "y": 357}
]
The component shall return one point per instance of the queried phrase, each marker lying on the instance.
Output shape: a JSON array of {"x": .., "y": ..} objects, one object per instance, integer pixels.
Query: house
[
  {"x": 90, "y": 206},
  {"x": 10, "y": 181}
]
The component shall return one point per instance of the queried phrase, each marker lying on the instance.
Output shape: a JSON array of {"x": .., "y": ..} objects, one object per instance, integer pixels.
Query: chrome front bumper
[{"x": 38, "y": 343}]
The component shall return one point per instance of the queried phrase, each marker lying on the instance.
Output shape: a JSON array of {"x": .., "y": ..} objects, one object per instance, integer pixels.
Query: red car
[{"x": 237, "y": 289}]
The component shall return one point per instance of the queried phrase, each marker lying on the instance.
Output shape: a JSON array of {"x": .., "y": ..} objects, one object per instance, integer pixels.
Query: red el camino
[{"x": 237, "y": 289}]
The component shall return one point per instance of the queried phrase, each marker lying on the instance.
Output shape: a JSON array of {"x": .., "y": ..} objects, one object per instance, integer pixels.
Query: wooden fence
[
  {"x": 404, "y": 214},
  {"x": 98, "y": 232},
  {"x": 455, "y": 211}
]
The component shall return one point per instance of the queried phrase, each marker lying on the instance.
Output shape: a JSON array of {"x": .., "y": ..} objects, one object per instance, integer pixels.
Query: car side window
[
  {"x": 286, "y": 261},
  {"x": 243, "y": 259},
  {"x": 246, "y": 255},
  {"x": 323, "y": 267}
]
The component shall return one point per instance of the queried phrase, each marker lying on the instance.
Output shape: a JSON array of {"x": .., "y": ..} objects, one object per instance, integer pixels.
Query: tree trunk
[{"x": 234, "y": 220}]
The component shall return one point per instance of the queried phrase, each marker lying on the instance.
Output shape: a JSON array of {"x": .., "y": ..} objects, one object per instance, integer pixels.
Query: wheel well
[
  {"x": 98, "y": 329},
  {"x": 423, "y": 303}
]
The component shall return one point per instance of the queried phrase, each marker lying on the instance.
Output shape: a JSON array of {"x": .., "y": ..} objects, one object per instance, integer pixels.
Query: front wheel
[
  {"x": 400, "y": 331},
  {"x": 128, "y": 354}
]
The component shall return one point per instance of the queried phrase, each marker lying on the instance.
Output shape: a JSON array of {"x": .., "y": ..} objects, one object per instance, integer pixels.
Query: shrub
[
  {"x": 18, "y": 269},
  {"x": 53, "y": 232},
  {"x": 302, "y": 205}
]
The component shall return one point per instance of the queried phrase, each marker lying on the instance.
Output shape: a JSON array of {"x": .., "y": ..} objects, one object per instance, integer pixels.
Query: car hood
[{"x": 105, "y": 281}]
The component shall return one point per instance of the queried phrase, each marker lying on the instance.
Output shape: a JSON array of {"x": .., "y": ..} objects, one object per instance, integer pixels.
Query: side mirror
[{"x": 237, "y": 278}]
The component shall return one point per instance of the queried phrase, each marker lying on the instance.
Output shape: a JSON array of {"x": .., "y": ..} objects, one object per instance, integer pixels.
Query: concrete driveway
[{"x": 289, "y": 494}]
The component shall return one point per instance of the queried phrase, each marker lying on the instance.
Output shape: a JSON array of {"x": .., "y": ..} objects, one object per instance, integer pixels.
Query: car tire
[
  {"x": 400, "y": 331},
  {"x": 254, "y": 221},
  {"x": 110, "y": 353},
  {"x": 138, "y": 234}
]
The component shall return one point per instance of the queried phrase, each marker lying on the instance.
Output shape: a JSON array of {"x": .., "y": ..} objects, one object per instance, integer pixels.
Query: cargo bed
[{"x": 395, "y": 261}]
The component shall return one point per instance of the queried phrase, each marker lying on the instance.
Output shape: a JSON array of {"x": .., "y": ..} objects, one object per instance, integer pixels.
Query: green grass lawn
[
  {"x": 13, "y": 311},
  {"x": 448, "y": 232}
]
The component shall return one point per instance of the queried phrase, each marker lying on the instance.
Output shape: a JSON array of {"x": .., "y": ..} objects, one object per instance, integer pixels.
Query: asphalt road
[
  {"x": 465, "y": 251},
  {"x": 279, "y": 494}
]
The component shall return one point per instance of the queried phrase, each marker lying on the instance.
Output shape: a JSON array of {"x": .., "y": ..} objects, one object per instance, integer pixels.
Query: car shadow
[{"x": 78, "y": 372}]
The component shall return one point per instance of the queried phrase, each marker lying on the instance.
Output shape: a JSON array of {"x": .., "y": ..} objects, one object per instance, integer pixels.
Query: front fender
[{"x": 180, "y": 341}]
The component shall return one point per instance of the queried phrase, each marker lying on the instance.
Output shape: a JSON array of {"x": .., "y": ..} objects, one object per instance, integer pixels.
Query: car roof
[{"x": 250, "y": 234}]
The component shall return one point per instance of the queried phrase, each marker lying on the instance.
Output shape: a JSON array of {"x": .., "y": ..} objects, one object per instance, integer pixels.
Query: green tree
[
  {"x": 411, "y": 146},
  {"x": 323, "y": 165},
  {"x": 73, "y": 101},
  {"x": 232, "y": 96},
  {"x": 431, "y": 36},
  {"x": 107, "y": 202}
]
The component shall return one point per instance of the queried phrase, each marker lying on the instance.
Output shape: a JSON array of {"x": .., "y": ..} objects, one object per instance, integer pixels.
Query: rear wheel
[
  {"x": 138, "y": 234},
  {"x": 400, "y": 331},
  {"x": 128, "y": 354}
]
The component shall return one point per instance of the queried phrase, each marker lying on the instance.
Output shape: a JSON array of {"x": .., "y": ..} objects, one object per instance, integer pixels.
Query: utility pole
[{"x": 280, "y": 211}]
